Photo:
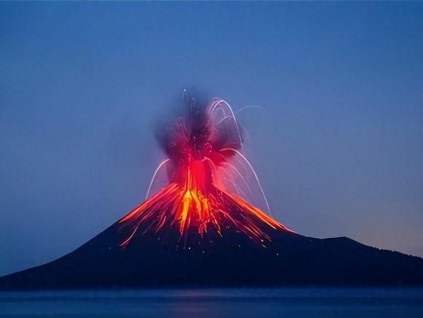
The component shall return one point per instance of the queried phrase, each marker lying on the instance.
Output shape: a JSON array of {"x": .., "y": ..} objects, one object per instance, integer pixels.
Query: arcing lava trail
[{"x": 209, "y": 179}]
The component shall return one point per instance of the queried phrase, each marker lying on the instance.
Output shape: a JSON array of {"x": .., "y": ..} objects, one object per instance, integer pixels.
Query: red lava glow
[{"x": 209, "y": 179}]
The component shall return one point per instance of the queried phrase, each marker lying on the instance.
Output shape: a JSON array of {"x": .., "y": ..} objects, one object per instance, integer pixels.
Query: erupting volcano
[
  {"x": 207, "y": 225},
  {"x": 210, "y": 180}
]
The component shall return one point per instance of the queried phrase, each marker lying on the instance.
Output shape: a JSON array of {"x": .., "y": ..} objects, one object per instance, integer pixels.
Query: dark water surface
[{"x": 211, "y": 303}]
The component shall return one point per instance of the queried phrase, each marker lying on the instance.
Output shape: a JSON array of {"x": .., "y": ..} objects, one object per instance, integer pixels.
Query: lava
[{"x": 209, "y": 179}]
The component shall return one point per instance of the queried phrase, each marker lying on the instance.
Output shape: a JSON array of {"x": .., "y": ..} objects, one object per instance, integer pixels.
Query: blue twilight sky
[{"x": 337, "y": 137}]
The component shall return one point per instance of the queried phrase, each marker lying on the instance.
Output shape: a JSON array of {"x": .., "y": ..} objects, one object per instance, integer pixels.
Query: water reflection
[{"x": 213, "y": 303}]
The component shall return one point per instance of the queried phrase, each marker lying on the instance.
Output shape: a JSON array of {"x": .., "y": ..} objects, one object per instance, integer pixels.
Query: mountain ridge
[{"x": 232, "y": 260}]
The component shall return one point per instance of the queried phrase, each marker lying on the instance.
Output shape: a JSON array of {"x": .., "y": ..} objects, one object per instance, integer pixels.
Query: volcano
[{"x": 203, "y": 228}]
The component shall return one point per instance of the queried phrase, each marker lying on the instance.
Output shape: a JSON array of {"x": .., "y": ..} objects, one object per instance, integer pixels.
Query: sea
[{"x": 214, "y": 303}]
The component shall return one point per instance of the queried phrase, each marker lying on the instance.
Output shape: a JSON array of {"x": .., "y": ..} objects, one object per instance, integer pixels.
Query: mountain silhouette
[{"x": 229, "y": 258}]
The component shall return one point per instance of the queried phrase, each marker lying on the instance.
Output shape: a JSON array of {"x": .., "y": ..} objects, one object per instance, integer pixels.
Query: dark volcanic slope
[{"x": 231, "y": 260}]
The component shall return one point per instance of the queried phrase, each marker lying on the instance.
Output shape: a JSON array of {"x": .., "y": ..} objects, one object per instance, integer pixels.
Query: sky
[{"x": 333, "y": 113}]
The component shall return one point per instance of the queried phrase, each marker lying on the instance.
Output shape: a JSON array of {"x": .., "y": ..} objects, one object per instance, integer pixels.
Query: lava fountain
[{"x": 210, "y": 182}]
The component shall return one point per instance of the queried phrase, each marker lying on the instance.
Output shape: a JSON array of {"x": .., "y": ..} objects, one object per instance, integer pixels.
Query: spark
[
  {"x": 255, "y": 176},
  {"x": 154, "y": 176}
]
